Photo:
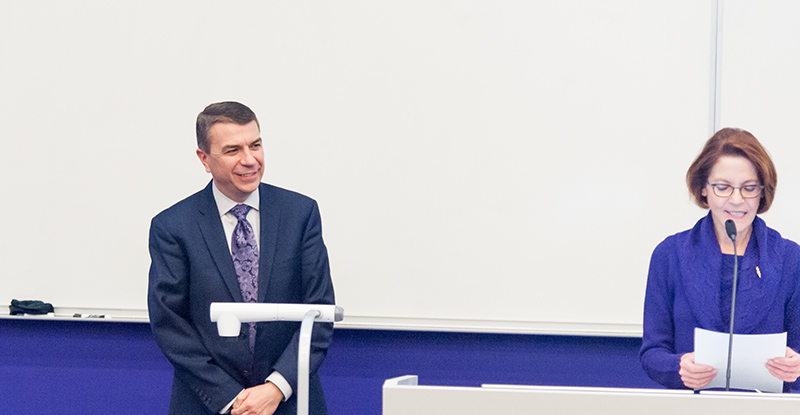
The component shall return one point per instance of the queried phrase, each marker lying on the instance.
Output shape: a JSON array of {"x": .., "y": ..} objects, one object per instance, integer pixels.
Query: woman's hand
[
  {"x": 696, "y": 376},
  {"x": 786, "y": 368}
]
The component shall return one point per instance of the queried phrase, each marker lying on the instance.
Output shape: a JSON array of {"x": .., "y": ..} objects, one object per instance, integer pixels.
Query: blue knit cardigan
[{"x": 683, "y": 292}]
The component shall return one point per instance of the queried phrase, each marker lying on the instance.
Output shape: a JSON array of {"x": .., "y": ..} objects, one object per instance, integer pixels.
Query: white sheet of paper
[{"x": 748, "y": 358}]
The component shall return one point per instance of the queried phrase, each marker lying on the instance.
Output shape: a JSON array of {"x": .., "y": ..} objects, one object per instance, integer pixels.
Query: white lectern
[
  {"x": 230, "y": 316},
  {"x": 403, "y": 396}
]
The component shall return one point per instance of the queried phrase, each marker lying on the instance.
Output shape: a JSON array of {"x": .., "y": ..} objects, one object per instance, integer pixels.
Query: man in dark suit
[{"x": 281, "y": 259}]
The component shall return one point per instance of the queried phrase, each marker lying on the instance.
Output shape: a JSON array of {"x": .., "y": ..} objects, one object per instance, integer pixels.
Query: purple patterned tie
[{"x": 245, "y": 260}]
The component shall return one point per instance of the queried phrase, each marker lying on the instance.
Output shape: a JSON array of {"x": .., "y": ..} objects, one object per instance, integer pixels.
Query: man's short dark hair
[{"x": 229, "y": 112}]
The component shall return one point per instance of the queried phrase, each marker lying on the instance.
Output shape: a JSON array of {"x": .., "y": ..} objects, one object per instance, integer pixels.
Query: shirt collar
[{"x": 224, "y": 203}]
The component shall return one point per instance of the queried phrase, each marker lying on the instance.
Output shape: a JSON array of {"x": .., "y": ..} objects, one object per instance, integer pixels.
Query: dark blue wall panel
[
  {"x": 81, "y": 367},
  {"x": 66, "y": 367}
]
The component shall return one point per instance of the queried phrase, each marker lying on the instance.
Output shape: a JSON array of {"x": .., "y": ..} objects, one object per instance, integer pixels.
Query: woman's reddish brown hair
[{"x": 732, "y": 142}]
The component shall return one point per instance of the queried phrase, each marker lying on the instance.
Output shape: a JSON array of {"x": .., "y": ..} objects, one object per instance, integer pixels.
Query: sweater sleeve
[
  {"x": 657, "y": 355},
  {"x": 792, "y": 319}
]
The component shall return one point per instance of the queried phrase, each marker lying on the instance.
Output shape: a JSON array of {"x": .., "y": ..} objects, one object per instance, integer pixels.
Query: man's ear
[{"x": 203, "y": 159}]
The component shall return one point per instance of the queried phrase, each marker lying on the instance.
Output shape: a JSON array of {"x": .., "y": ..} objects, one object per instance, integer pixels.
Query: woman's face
[{"x": 737, "y": 172}]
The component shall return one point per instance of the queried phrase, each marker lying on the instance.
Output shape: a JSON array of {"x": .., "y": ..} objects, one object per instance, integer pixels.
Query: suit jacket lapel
[
  {"x": 270, "y": 215},
  {"x": 214, "y": 236}
]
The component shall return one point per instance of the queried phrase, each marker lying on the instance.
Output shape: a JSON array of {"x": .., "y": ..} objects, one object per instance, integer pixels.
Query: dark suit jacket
[{"x": 192, "y": 267}]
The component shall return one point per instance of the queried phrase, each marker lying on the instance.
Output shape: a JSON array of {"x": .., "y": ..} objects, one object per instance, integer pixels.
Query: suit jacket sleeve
[
  {"x": 310, "y": 273},
  {"x": 172, "y": 321}
]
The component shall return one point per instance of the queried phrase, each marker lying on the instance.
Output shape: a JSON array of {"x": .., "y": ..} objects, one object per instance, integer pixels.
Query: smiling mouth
[{"x": 737, "y": 214}]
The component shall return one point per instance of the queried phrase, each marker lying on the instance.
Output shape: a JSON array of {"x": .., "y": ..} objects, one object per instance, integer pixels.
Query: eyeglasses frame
[{"x": 734, "y": 188}]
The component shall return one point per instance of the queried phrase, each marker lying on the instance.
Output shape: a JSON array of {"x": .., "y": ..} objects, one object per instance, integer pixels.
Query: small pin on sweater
[{"x": 758, "y": 271}]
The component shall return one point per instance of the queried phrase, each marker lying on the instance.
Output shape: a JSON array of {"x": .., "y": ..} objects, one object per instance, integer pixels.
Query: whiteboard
[
  {"x": 761, "y": 92},
  {"x": 479, "y": 165}
]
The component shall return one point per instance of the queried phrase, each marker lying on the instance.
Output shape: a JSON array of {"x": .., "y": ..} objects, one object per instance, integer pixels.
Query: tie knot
[{"x": 240, "y": 211}]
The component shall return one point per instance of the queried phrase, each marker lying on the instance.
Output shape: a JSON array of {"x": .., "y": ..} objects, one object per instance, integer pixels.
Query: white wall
[{"x": 479, "y": 165}]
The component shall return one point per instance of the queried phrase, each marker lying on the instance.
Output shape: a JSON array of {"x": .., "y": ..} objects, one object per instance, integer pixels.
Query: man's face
[{"x": 235, "y": 158}]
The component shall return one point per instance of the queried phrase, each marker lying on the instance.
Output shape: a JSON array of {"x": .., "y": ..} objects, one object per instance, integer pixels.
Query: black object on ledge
[{"x": 18, "y": 307}]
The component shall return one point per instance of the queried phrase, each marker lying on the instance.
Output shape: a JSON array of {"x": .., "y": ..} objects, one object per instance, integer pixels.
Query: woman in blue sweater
[{"x": 691, "y": 273}]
